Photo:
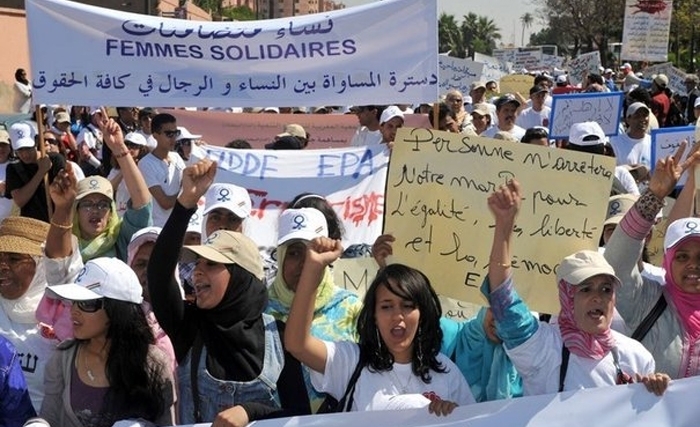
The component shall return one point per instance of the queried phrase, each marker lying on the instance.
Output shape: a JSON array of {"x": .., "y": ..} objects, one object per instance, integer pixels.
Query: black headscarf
[{"x": 233, "y": 332}]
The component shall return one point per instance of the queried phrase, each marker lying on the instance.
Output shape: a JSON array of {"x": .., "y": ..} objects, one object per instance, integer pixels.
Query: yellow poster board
[
  {"x": 516, "y": 83},
  {"x": 436, "y": 209}
]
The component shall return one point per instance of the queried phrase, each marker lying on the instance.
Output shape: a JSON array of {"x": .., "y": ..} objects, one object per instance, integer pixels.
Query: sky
[{"x": 505, "y": 13}]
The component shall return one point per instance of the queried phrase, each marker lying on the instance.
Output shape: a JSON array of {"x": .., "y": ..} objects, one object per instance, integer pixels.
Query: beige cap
[
  {"x": 95, "y": 184},
  {"x": 228, "y": 247},
  {"x": 293, "y": 130},
  {"x": 582, "y": 265},
  {"x": 618, "y": 207}
]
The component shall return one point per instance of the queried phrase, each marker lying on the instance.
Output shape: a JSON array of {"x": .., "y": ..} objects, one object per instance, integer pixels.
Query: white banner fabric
[
  {"x": 351, "y": 179},
  {"x": 385, "y": 51}
]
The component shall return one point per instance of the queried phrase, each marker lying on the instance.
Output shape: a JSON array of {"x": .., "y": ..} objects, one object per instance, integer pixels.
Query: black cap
[
  {"x": 505, "y": 99},
  {"x": 538, "y": 88},
  {"x": 285, "y": 143}
]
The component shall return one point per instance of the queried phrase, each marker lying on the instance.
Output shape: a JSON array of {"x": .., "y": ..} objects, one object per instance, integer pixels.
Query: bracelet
[
  {"x": 120, "y": 155},
  {"x": 62, "y": 226},
  {"x": 499, "y": 264}
]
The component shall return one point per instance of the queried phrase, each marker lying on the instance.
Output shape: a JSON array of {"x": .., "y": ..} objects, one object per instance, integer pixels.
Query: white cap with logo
[
  {"x": 302, "y": 224},
  {"x": 103, "y": 278},
  {"x": 230, "y": 197}
]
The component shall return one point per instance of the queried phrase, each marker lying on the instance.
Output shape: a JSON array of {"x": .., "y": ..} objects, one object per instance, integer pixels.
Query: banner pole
[{"x": 42, "y": 151}]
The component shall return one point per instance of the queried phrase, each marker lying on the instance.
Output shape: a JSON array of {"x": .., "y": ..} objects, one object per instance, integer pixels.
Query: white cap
[
  {"x": 271, "y": 110},
  {"x": 230, "y": 197},
  {"x": 144, "y": 235},
  {"x": 626, "y": 65},
  {"x": 302, "y": 224},
  {"x": 697, "y": 102},
  {"x": 95, "y": 110},
  {"x": 561, "y": 78},
  {"x": 608, "y": 70},
  {"x": 185, "y": 134},
  {"x": 679, "y": 230},
  {"x": 136, "y": 138},
  {"x": 195, "y": 224},
  {"x": 22, "y": 135},
  {"x": 579, "y": 131},
  {"x": 103, "y": 278},
  {"x": 389, "y": 113},
  {"x": 636, "y": 106}
]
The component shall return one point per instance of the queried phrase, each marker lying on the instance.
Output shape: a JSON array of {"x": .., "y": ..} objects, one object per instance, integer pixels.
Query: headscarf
[
  {"x": 579, "y": 342},
  {"x": 279, "y": 290},
  {"x": 21, "y": 310},
  {"x": 488, "y": 370},
  {"x": 102, "y": 244},
  {"x": 687, "y": 304},
  {"x": 234, "y": 332}
]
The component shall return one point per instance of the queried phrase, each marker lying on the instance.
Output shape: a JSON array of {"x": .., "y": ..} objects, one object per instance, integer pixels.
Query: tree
[
  {"x": 526, "y": 20},
  {"x": 480, "y": 34},
  {"x": 239, "y": 13},
  {"x": 450, "y": 36}
]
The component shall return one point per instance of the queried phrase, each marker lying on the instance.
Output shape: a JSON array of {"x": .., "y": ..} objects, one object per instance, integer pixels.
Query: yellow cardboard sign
[
  {"x": 436, "y": 208},
  {"x": 520, "y": 83}
]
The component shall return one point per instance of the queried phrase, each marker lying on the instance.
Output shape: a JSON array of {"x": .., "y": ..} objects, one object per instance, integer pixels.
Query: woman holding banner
[
  {"x": 581, "y": 351},
  {"x": 667, "y": 314},
  {"x": 396, "y": 364}
]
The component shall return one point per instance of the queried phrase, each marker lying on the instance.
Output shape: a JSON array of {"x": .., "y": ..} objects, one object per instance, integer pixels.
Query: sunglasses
[
  {"x": 172, "y": 133},
  {"x": 52, "y": 141},
  {"x": 90, "y": 306},
  {"x": 132, "y": 146},
  {"x": 99, "y": 206},
  {"x": 185, "y": 142}
]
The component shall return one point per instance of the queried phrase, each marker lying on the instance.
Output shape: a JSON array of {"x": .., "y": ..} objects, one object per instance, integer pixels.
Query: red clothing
[
  {"x": 660, "y": 106},
  {"x": 559, "y": 90}
]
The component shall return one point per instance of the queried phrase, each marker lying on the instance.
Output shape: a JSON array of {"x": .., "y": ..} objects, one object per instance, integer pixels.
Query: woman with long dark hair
[{"x": 112, "y": 370}]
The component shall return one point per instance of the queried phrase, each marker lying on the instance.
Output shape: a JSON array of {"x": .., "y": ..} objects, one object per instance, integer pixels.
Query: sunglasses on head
[
  {"x": 90, "y": 306},
  {"x": 172, "y": 133}
]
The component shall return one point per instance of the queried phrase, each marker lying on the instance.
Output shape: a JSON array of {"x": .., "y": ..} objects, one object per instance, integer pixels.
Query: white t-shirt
[
  {"x": 630, "y": 151},
  {"x": 627, "y": 180},
  {"x": 164, "y": 174},
  {"x": 364, "y": 137},
  {"x": 529, "y": 118},
  {"x": 375, "y": 391},
  {"x": 538, "y": 361},
  {"x": 517, "y": 132}
]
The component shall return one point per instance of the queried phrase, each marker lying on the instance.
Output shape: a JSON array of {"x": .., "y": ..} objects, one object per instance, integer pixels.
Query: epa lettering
[{"x": 345, "y": 164}]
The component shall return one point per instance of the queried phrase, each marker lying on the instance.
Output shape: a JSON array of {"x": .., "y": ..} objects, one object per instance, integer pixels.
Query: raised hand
[
  {"x": 323, "y": 251},
  {"x": 111, "y": 133},
  {"x": 668, "y": 171},
  {"x": 504, "y": 203},
  {"x": 64, "y": 189},
  {"x": 44, "y": 163},
  {"x": 196, "y": 180},
  {"x": 382, "y": 248}
]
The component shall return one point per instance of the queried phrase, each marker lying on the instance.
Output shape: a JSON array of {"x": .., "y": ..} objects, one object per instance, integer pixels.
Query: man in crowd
[
  {"x": 538, "y": 113},
  {"x": 145, "y": 116},
  {"x": 660, "y": 102},
  {"x": 389, "y": 123},
  {"x": 90, "y": 144},
  {"x": 506, "y": 107},
  {"x": 691, "y": 87},
  {"x": 162, "y": 168},
  {"x": 634, "y": 146},
  {"x": 368, "y": 133}
]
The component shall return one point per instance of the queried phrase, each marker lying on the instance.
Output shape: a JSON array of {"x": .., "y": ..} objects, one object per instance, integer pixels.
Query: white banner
[
  {"x": 676, "y": 76},
  {"x": 585, "y": 62},
  {"x": 604, "y": 108},
  {"x": 458, "y": 73},
  {"x": 385, "y": 51},
  {"x": 646, "y": 30},
  {"x": 351, "y": 179},
  {"x": 624, "y": 405},
  {"x": 665, "y": 142},
  {"x": 529, "y": 58},
  {"x": 494, "y": 68}
]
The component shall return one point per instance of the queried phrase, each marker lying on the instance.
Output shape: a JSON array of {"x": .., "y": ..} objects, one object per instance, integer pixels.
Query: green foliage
[
  {"x": 474, "y": 34},
  {"x": 239, "y": 13}
]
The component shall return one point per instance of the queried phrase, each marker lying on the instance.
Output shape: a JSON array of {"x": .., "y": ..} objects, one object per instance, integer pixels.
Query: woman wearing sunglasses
[
  {"x": 88, "y": 208},
  {"x": 112, "y": 370},
  {"x": 232, "y": 366}
]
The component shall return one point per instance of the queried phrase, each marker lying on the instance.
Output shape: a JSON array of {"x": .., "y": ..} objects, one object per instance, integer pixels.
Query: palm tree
[
  {"x": 449, "y": 36},
  {"x": 486, "y": 33},
  {"x": 527, "y": 19}
]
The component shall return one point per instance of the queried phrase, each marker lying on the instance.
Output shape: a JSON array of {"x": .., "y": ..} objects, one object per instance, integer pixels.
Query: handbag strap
[
  {"x": 194, "y": 366},
  {"x": 563, "y": 367},
  {"x": 348, "y": 399},
  {"x": 650, "y": 319}
]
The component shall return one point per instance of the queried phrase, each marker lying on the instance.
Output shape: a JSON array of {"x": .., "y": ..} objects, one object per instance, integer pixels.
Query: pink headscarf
[
  {"x": 687, "y": 304},
  {"x": 579, "y": 342}
]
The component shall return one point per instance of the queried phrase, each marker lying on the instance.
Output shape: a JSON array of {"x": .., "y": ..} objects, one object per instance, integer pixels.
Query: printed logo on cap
[
  {"x": 93, "y": 184},
  {"x": 223, "y": 195},
  {"x": 299, "y": 222},
  {"x": 691, "y": 227},
  {"x": 194, "y": 219},
  {"x": 20, "y": 132},
  {"x": 211, "y": 238},
  {"x": 615, "y": 208}
]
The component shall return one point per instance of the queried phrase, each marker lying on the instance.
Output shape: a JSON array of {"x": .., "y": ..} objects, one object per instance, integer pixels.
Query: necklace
[
  {"x": 88, "y": 371},
  {"x": 403, "y": 388}
]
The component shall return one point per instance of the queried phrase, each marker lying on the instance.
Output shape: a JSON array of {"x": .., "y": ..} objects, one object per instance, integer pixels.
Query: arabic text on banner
[
  {"x": 603, "y": 108},
  {"x": 458, "y": 73},
  {"x": 666, "y": 141},
  {"x": 436, "y": 208},
  {"x": 646, "y": 30},
  {"x": 351, "y": 179},
  {"x": 333, "y": 58}
]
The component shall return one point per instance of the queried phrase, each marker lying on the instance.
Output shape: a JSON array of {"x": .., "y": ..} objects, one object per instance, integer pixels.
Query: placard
[
  {"x": 458, "y": 73},
  {"x": 646, "y": 29},
  {"x": 603, "y": 108}
]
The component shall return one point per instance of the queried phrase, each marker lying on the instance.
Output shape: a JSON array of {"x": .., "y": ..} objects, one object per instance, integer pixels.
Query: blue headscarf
[{"x": 485, "y": 365}]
